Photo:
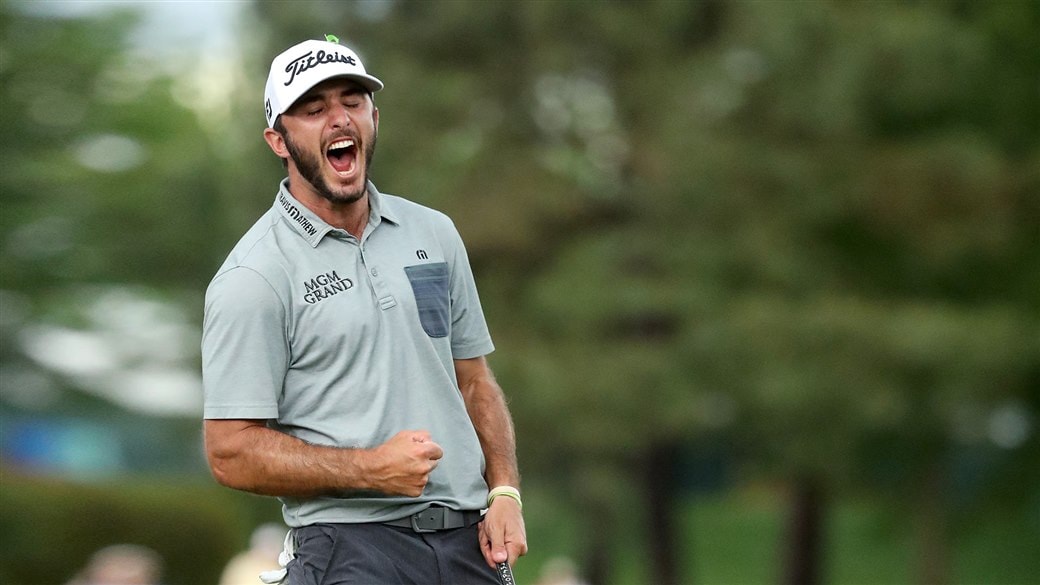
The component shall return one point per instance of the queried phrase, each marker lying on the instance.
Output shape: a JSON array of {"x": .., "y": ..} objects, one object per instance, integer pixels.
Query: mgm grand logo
[{"x": 324, "y": 286}]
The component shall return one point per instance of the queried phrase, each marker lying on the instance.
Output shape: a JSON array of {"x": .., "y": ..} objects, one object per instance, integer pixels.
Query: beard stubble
[{"x": 309, "y": 167}]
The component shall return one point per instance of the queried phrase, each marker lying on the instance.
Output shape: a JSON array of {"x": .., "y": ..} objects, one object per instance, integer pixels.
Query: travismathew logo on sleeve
[
  {"x": 324, "y": 286},
  {"x": 297, "y": 215},
  {"x": 312, "y": 59}
]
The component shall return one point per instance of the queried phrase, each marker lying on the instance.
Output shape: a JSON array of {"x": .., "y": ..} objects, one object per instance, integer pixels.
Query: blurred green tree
[
  {"x": 111, "y": 179},
  {"x": 806, "y": 229},
  {"x": 801, "y": 234},
  {"x": 110, "y": 195}
]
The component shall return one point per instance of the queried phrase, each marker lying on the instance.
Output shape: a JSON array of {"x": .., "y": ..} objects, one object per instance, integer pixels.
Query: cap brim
[
  {"x": 366, "y": 81},
  {"x": 371, "y": 84}
]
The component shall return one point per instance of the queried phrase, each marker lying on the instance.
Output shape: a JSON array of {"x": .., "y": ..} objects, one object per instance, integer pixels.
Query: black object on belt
[{"x": 437, "y": 518}]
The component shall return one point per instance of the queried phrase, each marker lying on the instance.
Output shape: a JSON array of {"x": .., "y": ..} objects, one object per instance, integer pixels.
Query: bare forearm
[
  {"x": 246, "y": 455},
  {"x": 487, "y": 409},
  {"x": 268, "y": 462}
]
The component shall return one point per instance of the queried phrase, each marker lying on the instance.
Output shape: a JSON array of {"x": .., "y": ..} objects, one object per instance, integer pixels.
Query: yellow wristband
[{"x": 507, "y": 491}]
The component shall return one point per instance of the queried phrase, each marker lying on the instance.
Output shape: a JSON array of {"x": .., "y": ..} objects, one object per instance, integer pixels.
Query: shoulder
[
  {"x": 407, "y": 210},
  {"x": 259, "y": 247},
  {"x": 257, "y": 260},
  {"x": 416, "y": 218},
  {"x": 242, "y": 290}
]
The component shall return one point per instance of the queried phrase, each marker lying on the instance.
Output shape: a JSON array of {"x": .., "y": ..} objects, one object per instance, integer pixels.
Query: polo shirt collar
[
  {"x": 379, "y": 208},
  {"x": 312, "y": 228}
]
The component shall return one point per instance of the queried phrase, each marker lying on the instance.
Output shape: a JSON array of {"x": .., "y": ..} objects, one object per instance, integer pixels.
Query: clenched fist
[{"x": 402, "y": 465}]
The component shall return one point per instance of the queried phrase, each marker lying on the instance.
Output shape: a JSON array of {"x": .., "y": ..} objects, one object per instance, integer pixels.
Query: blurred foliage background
[{"x": 764, "y": 276}]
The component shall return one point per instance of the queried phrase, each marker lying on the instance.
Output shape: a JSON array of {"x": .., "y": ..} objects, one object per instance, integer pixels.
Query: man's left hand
[{"x": 503, "y": 537}]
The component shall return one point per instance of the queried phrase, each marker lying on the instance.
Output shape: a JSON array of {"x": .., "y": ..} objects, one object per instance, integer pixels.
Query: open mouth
[{"x": 342, "y": 155}]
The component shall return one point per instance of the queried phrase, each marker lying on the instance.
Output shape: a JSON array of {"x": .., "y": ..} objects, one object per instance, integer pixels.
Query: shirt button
[{"x": 375, "y": 272}]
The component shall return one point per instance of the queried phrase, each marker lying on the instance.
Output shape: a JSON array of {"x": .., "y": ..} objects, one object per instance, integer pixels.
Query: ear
[
  {"x": 375, "y": 117},
  {"x": 276, "y": 141}
]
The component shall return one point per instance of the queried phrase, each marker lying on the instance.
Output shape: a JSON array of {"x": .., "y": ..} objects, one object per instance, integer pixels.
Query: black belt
[{"x": 437, "y": 518}]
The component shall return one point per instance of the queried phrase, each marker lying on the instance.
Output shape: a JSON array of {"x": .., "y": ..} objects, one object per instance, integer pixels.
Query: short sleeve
[
  {"x": 245, "y": 348},
  {"x": 470, "y": 337}
]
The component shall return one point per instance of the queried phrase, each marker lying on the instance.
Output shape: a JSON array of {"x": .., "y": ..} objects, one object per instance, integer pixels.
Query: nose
[{"x": 338, "y": 117}]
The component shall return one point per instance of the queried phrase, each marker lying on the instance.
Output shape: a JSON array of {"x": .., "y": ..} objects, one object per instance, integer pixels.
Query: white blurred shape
[
  {"x": 1009, "y": 425},
  {"x": 109, "y": 153}
]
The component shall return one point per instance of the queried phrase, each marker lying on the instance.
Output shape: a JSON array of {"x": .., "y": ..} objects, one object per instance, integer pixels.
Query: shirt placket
[{"x": 380, "y": 286}]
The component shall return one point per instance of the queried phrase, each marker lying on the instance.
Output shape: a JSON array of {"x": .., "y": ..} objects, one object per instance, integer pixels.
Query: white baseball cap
[{"x": 307, "y": 64}]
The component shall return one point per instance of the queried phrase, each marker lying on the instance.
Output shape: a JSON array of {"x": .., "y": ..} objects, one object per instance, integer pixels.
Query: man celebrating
[{"x": 344, "y": 358}]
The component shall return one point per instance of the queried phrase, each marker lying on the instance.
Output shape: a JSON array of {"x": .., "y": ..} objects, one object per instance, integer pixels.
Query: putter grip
[{"x": 505, "y": 574}]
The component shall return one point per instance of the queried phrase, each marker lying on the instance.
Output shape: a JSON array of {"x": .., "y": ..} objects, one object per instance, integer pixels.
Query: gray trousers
[{"x": 376, "y": 554}]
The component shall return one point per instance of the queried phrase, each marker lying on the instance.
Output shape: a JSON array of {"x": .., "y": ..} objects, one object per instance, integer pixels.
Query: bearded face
[
  {"x": 329, "y": 136},
  {"x": 341, "y": 155}
]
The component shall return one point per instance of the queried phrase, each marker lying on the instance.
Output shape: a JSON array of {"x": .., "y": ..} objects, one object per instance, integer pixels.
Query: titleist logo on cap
[
  {"x": 311, "y": 59},
  {"x": 304, "y": 65}
]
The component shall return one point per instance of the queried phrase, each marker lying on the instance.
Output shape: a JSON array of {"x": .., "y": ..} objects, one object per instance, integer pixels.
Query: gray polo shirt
[{"x": 346, "y": 343}]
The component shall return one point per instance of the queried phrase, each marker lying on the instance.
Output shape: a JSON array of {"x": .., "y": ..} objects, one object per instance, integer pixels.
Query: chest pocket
[{"x": 430, "y": 285}]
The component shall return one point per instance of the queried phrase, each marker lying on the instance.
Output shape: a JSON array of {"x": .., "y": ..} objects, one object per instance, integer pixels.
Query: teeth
[{"x": 341, "y": 144}]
